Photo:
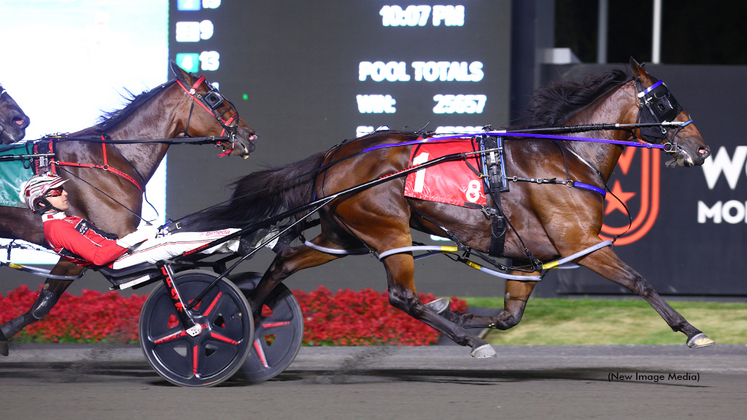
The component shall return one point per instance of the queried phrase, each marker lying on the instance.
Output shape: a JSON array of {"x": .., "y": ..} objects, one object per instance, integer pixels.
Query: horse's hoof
[
  {"x": 483, "y": 352},
  {"x": 700, "y": 340},
  {"x": 439, "y": 305}
]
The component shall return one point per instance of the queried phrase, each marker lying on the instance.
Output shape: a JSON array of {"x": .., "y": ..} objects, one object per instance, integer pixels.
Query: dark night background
[{"x": 693, "y": 31}]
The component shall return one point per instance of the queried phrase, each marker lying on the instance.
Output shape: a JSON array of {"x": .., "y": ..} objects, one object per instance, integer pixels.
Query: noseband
[
  {"x": 658, "y": 106},
  {"x": 210, "y": 102}
]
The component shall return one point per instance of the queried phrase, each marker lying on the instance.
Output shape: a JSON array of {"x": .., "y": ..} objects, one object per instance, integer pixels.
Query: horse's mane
[
  {"x": 111, "y": 118},
  {"x": 553, "y": 105}
]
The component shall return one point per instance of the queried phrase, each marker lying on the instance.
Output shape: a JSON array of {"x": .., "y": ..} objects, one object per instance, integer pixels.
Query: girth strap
[{"x": 493, "y": 165}]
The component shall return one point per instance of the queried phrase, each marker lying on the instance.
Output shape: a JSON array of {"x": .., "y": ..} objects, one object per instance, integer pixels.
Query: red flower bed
[
  {"x": 350, "y": 318},
  {"x": 346, "y": 318},
  {"x": 93, "y": 317}
]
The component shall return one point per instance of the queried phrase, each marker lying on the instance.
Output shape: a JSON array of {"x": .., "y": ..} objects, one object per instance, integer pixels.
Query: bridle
[
  {"x": 210, "y": 102},
  {"x": 658, "y": 106}
]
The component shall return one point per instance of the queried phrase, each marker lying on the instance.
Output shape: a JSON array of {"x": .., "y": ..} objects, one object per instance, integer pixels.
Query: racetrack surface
[{"x": 437, "y": 382}]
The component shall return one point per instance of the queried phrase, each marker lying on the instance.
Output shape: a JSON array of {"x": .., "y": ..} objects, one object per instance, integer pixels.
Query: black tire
[
  {"x": 214, "y": 355},
  {"x": 278, "y": 335}
]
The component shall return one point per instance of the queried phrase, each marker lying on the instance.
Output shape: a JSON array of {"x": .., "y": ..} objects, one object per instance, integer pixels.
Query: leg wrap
[
  {"x": 41, "y": 307},
  {"x": 43, "y": 304},
  {"x": 14, "y": 326}
]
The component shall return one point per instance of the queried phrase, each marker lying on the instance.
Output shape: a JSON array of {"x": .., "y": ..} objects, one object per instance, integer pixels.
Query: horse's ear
[
  {"x": 179, "y": 72},
  {"x": 636, "y": 68}
]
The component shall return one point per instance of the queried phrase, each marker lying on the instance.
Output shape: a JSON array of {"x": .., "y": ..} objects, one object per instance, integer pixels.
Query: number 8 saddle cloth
[{"x": 454, "y": 182}]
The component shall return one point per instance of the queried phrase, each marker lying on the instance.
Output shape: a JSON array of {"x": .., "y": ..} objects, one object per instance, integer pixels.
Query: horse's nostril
[{"x": 18, "y": 120}]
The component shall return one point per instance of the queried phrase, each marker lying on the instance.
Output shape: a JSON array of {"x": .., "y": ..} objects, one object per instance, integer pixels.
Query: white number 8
[{"x": 473, "y": 191}]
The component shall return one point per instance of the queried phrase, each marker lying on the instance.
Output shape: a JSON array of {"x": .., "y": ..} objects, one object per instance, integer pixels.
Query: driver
[{"x": 81, "y": 242}]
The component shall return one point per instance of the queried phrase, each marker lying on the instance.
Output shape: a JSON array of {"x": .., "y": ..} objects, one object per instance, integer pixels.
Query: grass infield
[{"x": 602, "y": 321}]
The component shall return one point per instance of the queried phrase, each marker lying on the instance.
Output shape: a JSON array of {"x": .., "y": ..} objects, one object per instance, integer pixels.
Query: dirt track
[{"x": 564, "y": 382}]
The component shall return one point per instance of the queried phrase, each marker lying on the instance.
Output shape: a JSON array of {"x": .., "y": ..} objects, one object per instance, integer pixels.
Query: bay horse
[
  {"x": 552, "y": 220},
  {"x": 13, "y": 121},
  {"x": 111, "y": 195}
]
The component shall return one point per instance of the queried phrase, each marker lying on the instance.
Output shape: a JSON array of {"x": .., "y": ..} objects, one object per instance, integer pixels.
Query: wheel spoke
[
  {"x": 269, "y": 325},
  {"x": 195, "y": 360},
  {"x": 170, "y": 337},
  {"x": 213, "y": 303},
  {"x": 223, "y": 338},
  {"x": 260, "y": 351}
]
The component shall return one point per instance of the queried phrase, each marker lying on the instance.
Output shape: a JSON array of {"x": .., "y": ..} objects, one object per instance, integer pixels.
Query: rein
[
  {"x": 191, "y": 140},
  {"x": 514, "y": 133},
  {"x": 503, "y": 133}
]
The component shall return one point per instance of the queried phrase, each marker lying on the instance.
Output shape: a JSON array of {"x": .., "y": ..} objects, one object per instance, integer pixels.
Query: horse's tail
[{"x": 261, "y": 195}]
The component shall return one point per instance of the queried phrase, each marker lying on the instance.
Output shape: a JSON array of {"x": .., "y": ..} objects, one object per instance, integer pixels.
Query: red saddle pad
[{"x": 452, "y": 182}]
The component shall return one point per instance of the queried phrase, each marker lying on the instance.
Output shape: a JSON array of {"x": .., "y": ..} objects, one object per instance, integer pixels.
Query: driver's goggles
[{"x": 55, "y": 192}]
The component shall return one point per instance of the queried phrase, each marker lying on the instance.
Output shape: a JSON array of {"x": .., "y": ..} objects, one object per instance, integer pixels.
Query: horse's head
[
  {"x": 216, "y": 115},
  {"x": 658, "y": 106},
  {"x": 13, "y": 121}
]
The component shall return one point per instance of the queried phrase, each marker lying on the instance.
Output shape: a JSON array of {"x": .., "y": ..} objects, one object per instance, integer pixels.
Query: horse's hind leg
[
  {"x": 606, "y": 263},
  {"x": 400, "y": 269},
  {"x": 50, "y": 293},
  {"x": 288, "y": 261},
  {"x": 514, "y": 303}
]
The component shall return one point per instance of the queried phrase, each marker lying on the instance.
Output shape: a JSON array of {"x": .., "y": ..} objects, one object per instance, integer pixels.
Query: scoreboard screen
[
  {"x": 338, "y": 69},
  {"x": 307, "y": 75}
]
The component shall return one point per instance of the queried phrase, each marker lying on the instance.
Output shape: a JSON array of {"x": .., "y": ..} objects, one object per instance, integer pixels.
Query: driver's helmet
[{"x": 37, "y": 188}]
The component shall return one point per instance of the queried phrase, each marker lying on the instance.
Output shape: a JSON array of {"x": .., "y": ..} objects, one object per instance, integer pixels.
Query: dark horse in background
[
  {"x": 553, "y": 220},
  {"x": 185, "y": 107},
  {"x": 13, "y": 121}
]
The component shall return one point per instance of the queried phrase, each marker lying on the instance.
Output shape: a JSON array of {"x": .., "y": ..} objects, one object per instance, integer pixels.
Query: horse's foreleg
[
  {"x": 50, "y": 293},
  {"x": 607, "y": 264},
  {"x": 403, "y": 296}
]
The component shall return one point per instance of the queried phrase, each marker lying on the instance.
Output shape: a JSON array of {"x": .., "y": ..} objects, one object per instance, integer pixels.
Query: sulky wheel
[
  {"x": 221, "y": 347},
  {"x": 278, "y": 333}
]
